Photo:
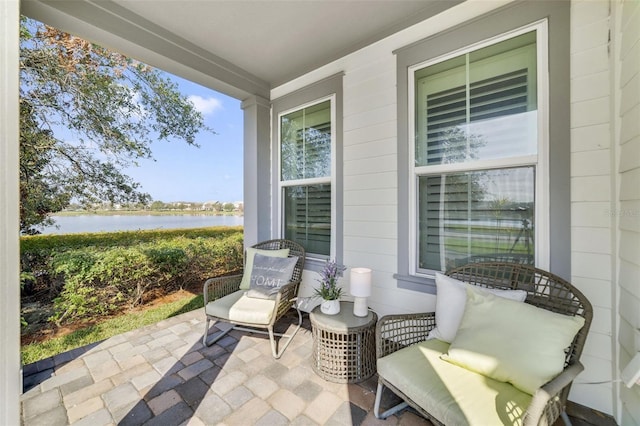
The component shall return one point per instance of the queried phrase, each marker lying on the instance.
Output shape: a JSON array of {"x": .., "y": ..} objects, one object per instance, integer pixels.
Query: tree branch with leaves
[{"x": 86, "y": 114}]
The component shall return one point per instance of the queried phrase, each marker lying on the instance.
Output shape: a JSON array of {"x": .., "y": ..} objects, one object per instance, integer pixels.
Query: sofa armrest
[
  {"x": 215, "y": 288},
  {"x": 544, "y": 398},
  {"x": 394, "y": 332}
]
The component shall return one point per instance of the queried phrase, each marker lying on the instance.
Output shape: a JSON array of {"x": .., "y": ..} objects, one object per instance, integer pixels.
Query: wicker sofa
[{"x": 412, "y": 366}]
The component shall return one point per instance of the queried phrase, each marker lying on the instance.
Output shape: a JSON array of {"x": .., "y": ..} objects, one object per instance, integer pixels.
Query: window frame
[
  {"x": 321, "y": 89},
  {"x": 539, "y": 160},
  {"x": 481, "y": 27},
  {"x": 282, "y": 184}
]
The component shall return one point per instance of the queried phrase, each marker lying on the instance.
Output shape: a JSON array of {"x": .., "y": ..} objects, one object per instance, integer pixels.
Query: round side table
[{"x": 344, "y": 348}]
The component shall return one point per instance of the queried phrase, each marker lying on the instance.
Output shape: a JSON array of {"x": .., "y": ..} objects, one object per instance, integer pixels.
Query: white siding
[
  {"x": 605, "y": 171},
  {"x": 592, "y": 195},
  {"x": 627, "y": 86},
  {"x": 370, "y": 158}
]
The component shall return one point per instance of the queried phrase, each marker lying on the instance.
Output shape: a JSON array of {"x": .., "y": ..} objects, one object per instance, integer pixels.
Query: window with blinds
[
  {"x": 305, "y": 157},
  {"x": 475, "y": 122},
  {"x": 308, "y": 216}
]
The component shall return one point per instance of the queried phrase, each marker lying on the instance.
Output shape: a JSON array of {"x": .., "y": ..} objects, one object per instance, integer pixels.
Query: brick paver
[{"x": 163, "y": 375}]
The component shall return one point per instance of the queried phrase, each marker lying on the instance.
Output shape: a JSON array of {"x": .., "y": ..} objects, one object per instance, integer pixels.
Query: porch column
[
  {"x": 257, "y": 170},
  {"x": 10, "y": 377}
]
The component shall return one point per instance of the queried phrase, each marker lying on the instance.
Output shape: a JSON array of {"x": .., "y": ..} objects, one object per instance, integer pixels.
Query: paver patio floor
[{"x": 163, "y": 375}]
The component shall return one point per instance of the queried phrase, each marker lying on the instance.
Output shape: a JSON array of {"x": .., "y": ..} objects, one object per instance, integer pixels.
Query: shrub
[{"x": 122, "y": 269}]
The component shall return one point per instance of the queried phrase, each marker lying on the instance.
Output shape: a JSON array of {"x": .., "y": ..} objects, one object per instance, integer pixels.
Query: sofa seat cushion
[
  {"x": 237, "y": 307},
  {"x": 452, "y": 394}
]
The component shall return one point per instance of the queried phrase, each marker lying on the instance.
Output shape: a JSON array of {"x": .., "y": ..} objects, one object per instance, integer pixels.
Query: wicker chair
[
  {"x": 220, "y": 294},
  {"x": 544, "y": 289}
]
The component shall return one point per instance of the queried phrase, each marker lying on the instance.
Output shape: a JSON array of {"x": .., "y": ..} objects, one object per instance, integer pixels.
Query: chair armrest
[
  {"x": 285, "y": 298},
  {"x": 394, "y": 332},
  {"x": 545, "y": 396},
  {"x": 215, "y": 288}
]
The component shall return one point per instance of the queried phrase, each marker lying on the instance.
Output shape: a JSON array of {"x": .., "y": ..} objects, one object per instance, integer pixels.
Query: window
[
  {"x": 306, "y": 141},
  {"x": 476, "y": 154}
]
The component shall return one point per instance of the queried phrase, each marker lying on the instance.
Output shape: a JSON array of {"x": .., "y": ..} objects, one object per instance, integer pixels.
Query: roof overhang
[{"x": 241, "y": 48}]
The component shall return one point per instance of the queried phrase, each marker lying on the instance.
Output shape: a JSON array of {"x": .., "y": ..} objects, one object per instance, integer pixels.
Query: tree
[
  {"x": 228, "y": 207},
  {"x": 86, "y": 114},
  {"x": 158, "y": 205}
]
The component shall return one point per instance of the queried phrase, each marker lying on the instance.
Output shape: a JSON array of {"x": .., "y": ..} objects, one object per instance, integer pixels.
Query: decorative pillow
[
  {"x": 269, "y": 274},
  {"x": 248, "y": 263},
  {"x": 512, "y": 342},
  {"x": 451, "y": 298}
]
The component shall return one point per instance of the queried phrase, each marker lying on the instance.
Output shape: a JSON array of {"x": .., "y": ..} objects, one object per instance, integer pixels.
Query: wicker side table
[{"x": 344, "y": 349}]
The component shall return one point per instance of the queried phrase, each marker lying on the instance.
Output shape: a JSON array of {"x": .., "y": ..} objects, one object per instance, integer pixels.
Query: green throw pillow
[
  {"x": 248, "y": 263},
  {"x": 512, "y": 342}
]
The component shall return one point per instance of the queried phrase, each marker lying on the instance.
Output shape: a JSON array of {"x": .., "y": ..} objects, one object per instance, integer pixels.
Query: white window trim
[
  {"x": 540, "y": 160},
  {"x": 311, "y": 181}
]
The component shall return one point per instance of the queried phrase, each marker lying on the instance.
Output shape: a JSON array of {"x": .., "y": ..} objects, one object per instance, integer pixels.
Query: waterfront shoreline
[
  {"x": 144, "y": 213},
  {"x": 116, "y": 221}
]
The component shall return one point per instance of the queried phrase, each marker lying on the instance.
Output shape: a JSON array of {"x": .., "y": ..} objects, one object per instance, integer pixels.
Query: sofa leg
[{"x": 391, "y": 411}]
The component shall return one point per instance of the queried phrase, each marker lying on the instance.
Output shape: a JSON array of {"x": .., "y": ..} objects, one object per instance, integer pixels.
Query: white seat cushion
[
  {"x": 452, "y": 394},
  {"x": 237, "y": 307}
]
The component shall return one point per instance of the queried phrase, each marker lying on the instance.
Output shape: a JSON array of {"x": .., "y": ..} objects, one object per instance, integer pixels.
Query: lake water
[{"x": 97, "y": 223}]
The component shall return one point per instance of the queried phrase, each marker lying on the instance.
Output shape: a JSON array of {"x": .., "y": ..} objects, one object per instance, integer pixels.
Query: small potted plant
[{"x": 329, "y": 291}]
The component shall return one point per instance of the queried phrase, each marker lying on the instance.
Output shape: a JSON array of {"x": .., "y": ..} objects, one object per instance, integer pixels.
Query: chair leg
[
  {"x": 216, "y": 336},
  {"x": 274, "y": 351},
  {"x": 391, "y": 411},
  {"x": 270, "y": 332},
  {"x": 565, "y": 418},
  {"x": 206, "y": 332}
]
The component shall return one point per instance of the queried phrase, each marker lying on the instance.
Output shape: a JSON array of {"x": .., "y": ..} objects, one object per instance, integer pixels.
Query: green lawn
[{"x": 111, "y": 327}]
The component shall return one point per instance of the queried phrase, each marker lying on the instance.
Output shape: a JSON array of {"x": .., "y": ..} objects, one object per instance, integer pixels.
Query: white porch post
[
  {"x": 257, "y": 170},
  {"x": 10, "y": 377}
]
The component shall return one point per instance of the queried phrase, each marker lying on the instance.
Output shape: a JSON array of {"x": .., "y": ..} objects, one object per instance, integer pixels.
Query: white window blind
[
  {"x": 305, "y": 144},
  {"x": 478, "y": 106}
]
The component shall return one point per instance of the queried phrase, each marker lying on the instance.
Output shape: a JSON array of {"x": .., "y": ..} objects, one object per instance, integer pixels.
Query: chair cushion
[
  {"x": 237, "y": 307},
  {"x": 451, "y": 298},
  {"x": 269, "y": 274},
  {"x": 453, "y": 395},
  {"x": 248, "y": 263},
  {"x": 512, "y": 342}
]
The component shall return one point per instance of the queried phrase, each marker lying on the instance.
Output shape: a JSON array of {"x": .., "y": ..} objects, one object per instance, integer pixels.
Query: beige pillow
[
  {"x": 248, "y": 263},
  {"x": 512, "y": 342},
  {"x": 451, "y": 297}
]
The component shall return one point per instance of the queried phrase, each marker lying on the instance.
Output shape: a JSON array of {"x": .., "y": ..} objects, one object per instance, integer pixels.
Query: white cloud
[{"x": 205, "y": 105}]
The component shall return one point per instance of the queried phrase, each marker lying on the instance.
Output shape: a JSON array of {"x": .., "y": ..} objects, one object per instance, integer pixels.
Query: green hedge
[{"x": 92, "y": 274}]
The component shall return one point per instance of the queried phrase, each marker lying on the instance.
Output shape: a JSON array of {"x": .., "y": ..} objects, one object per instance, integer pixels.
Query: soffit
[{"x": 252, "y": 45}]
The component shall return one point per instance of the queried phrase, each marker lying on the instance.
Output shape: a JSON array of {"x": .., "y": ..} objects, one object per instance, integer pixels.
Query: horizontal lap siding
[
  {"x": 370, "y": 169},
  {"x": 370, "y": 179},
  {"x": 370, "y": 183},
  {"x": 628, "y": 212},
  {"x": 592, "y": 194}
]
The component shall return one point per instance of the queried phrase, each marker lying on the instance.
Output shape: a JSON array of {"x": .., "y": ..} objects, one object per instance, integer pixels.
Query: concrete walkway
[{"x": 163, "y": 375}]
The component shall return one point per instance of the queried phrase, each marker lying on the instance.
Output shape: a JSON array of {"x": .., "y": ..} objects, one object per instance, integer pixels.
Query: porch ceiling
[{"x": 237, "y": 47}]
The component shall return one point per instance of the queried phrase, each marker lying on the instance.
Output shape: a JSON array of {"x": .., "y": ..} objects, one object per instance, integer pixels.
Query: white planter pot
[{"x": 330, "y": 307}]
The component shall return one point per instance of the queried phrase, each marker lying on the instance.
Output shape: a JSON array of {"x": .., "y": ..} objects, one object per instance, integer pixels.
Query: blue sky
[{"x": 212, "y": 172}]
